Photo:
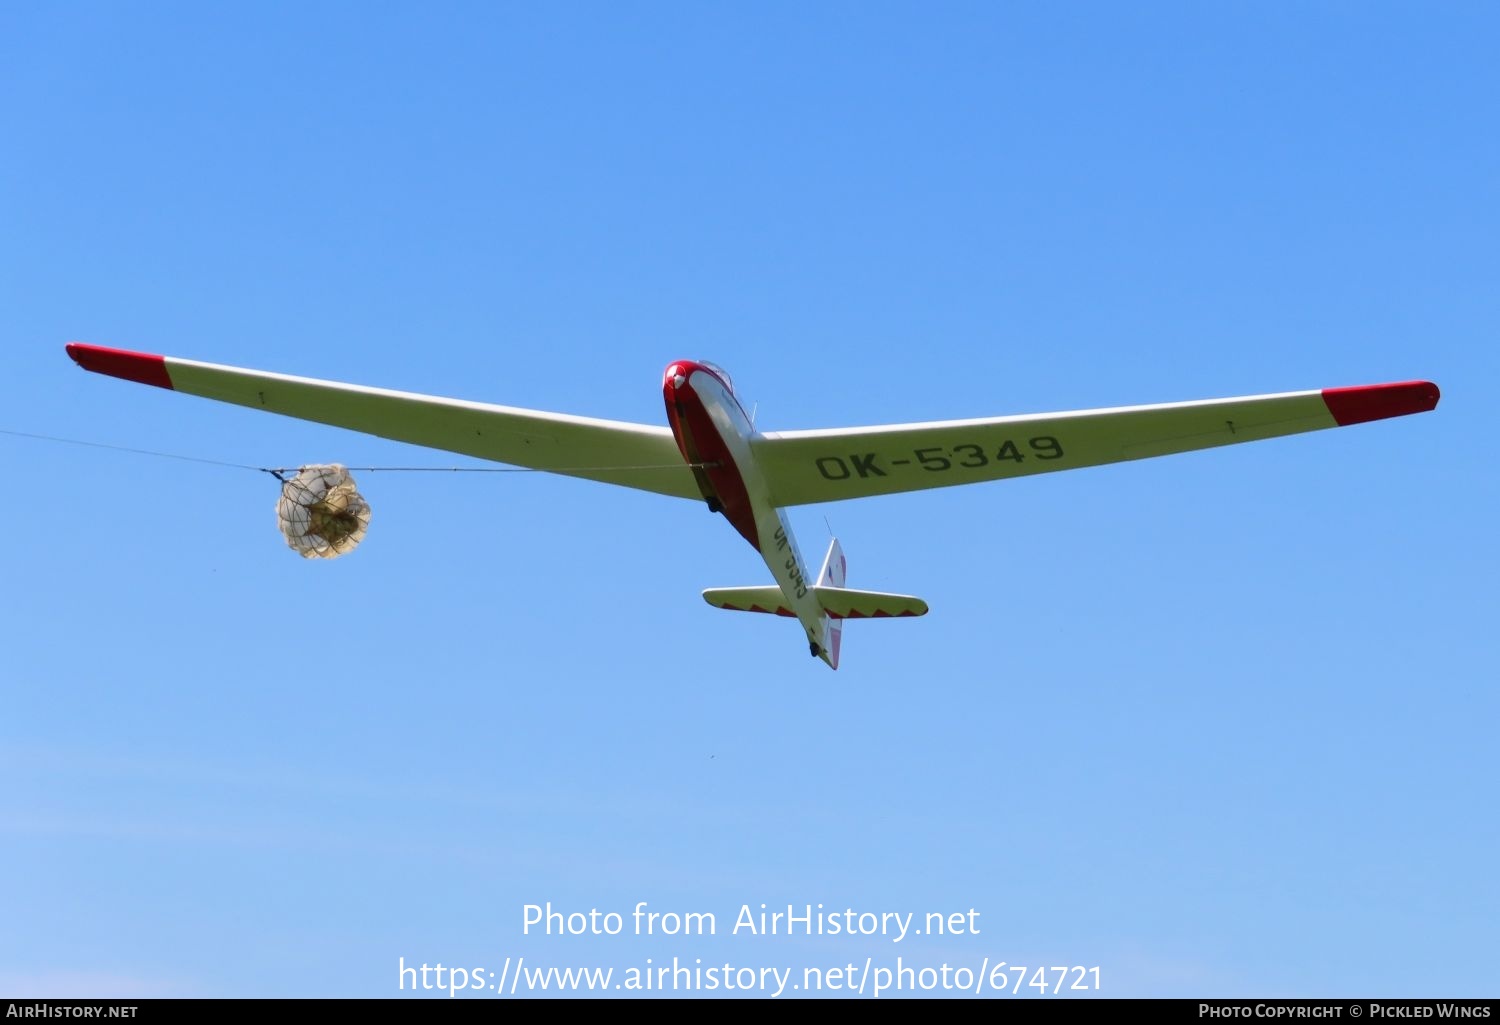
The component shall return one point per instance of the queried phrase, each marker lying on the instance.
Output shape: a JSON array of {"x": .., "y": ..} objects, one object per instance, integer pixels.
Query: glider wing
[
  {"x": 829, "y": 465},
  {"x": 633, "y": 455}
]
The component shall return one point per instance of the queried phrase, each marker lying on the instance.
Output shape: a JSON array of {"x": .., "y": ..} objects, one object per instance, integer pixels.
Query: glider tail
[{"x": 837, "y": 601}]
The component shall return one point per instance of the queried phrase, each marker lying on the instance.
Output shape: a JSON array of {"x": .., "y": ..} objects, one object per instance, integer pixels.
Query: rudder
[{"x": 835, "y": 568}]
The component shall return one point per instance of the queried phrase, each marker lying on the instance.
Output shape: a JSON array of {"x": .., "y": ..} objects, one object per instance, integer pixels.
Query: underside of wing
[
  {"x": 633, "y": 455},
  {"x": 801, "y": 467}
]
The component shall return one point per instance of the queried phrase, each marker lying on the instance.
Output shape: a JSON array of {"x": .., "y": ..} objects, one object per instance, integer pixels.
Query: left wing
[
  {"x": 825, "y": 466},
  {"x": 634, "y": 455}
]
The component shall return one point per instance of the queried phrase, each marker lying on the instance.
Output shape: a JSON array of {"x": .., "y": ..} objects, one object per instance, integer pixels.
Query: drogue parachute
[{"x": 320, "y": 513}]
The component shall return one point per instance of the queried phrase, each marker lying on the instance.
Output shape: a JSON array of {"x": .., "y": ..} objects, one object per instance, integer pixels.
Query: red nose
[{"x": 676, "y": 375}]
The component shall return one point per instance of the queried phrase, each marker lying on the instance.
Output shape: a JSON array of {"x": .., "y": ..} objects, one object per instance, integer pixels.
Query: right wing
[
  {"x": 830, "y": 465},
  {"x": 633, "y": 455}
]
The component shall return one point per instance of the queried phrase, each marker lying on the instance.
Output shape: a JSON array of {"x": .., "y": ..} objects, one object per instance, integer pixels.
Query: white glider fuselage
[{"x": 714, "y": 435}]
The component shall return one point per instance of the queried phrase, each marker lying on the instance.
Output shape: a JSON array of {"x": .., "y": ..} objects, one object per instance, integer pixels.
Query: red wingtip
[
  {"x": 1379, "y": 401},
  {"x": 141, "y": 367}
]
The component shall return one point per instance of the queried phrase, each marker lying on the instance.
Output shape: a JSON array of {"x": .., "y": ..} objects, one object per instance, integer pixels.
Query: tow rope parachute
[{"x": 320, "y": 513}]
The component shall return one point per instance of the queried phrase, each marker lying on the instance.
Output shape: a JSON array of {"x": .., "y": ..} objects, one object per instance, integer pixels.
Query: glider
[{"x": 712, "y": 452}]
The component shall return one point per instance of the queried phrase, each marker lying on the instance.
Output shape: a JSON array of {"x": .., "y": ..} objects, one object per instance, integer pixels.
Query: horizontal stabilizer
[
  {"x": 838, "y": 602},
  {"x": 843, "y": 603},
  {"x": 749, "y": 599}
]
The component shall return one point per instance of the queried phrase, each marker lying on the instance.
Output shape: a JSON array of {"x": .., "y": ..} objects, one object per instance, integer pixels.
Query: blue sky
[{"x": 1220, "y": 723}]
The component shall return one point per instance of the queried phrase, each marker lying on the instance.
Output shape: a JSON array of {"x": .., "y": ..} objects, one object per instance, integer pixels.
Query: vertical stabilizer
[{"x": 832, "y": 575}]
